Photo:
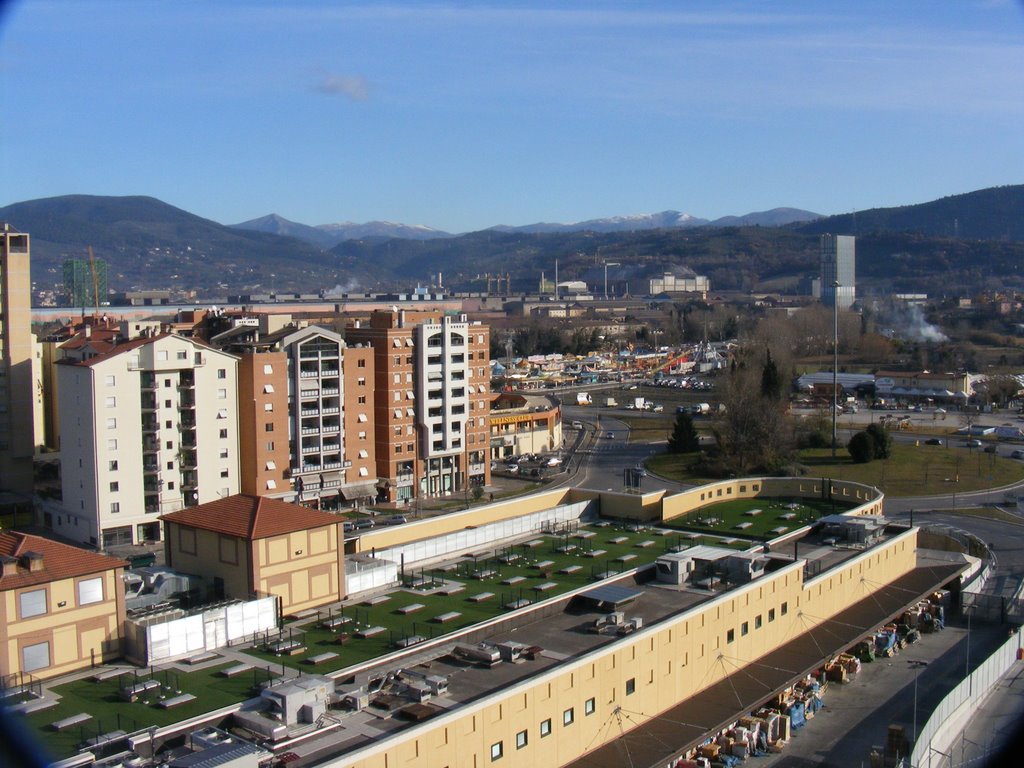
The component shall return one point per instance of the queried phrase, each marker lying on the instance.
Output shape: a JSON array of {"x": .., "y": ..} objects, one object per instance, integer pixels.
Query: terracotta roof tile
[
  {"x": 251, "y": 517},
  {"x": 60, "y": 561}
]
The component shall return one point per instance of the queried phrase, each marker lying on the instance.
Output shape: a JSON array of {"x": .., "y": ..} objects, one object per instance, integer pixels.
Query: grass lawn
[
  {"x": 112, "y": 713},
  {"x": 476, "y": 578},
  {"x": 755, "y": 518},
  {"x": 912, "y": 470}
]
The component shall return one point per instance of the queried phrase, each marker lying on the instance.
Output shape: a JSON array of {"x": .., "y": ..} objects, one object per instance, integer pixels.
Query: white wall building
[{"x": 147, "y": 428}]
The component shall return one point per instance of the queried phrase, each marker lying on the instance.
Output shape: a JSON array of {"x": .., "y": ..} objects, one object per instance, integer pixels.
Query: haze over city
[{"x": 462, "y": 116}]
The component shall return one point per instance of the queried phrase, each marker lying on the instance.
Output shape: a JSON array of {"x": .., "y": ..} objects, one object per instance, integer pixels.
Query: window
[
  {"x": 181, "y": 355},
  {"x": 496, "y": 751},
  {"x": 34, "y": 657},
  {"x": 784, "y": 609},
  {"x": 268, "y": 389},
  {"x": 167, "y": 403},
  {"x": 267, "y": 368},
  {"x": 771, "y": 614},
  {"x": 589, "y": 706},
  {"x": 545, "y": 728},
  {"x": 270, "y": 445},
  {"x": 161, "y": 355},
  {"x": 112, "y": 444},
  {"x": 361, "y": 381},
  {"x": 268, "y": 427},
  {"x": 224, "y": 453},
  {"x": 222, "y": 413},
  {"x": 115, "y": 486},
  {"x": 112, "y": 465},
  {"x": 110, "y": 402},
  {"x": 757, "y": 621},
  {"x": 169, "y": 445},
  {"x": 730, "y": 636},
  {"x": 268, "y": 407},
  {"x": 112, "y": 423},
  {"x": 90, "y": 590},
  {"x": 361, "y": 364},
  {"x": 522, "y": 739},
  {"x": 170, "y": 465},
  {"x": 223, "y": 433},
  {"x": 744, "y": 629},
  {"x": 222, "y": 373},
  {"x": 223, "y": 473},
  {"x": 568, "y": 716},
  {"x": 168, "y": 424},
  {"x": 362, "y": 400},
  {"x": 222, "y": 394},
  {"x": 271, "y": 465},
  {"x": 170, "y": 486},
  {"x": 109, "y": 381},
  {"x": 32, "y": 603},
  {"x": 631, "y": 686},
  {"x": 167, "y": 383}
]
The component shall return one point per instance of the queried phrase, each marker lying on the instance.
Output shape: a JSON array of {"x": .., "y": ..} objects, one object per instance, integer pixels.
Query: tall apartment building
[
  {"x": 305, "y": 415},
  {"x": 431, "y": 403},
  {"x": 838, "y": 265},
  {"x": 85, "y": 282},
  {"x": 17, "y": 381},
  {"x": 148, "y": 427}
]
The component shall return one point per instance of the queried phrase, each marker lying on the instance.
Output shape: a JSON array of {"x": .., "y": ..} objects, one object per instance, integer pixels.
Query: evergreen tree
[
  {"x": 771, "y": 379},
  {"x": 684, "y": 437},
  {"x": 882, "y": 440}
]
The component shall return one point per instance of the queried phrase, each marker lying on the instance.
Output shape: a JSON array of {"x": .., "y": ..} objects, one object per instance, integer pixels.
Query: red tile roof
[
  {"x": 60, "y": 561},
  {"x": 251, "y": 517}
]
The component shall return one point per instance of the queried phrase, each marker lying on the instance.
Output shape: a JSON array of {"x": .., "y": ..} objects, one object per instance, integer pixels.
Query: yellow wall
[
  {"x": 303, "y": 568},
  {"x": 206, "y": 560},
  {"x": 382, "y": 538},
  {"x": 78, "y": 635},
  {"x": 669, "y": 662}
]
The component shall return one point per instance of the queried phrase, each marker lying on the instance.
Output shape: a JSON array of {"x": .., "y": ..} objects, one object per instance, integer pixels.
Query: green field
[
  {"x": 112, "y": 713},
  {"x": 471, "y": 576},
  {"x": 911, "y": 470},
  {"x": 758, "y": 517}
]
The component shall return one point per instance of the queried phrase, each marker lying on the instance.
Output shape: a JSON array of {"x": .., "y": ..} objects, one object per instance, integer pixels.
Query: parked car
[
  {"x": 933, "y": 441},
  {"x": 512, "y": 468}
]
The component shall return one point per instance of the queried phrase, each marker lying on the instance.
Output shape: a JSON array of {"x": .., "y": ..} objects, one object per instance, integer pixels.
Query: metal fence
[{"x": 932, "y": 745}]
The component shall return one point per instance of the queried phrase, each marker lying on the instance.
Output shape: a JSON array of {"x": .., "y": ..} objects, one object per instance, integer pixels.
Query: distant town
[{"x": 437, "y": 527}]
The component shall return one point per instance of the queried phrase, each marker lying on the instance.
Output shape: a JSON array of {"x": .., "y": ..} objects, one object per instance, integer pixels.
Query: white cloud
[{"x": 354, "y": 87}]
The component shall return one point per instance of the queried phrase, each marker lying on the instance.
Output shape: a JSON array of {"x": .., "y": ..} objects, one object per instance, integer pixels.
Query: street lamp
[
  {"x": 606, "y": 265},
  {"x": 835, "y": 361}
]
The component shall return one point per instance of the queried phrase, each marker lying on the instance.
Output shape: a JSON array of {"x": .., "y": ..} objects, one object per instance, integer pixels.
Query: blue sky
[{"x": 463, "y": 115}]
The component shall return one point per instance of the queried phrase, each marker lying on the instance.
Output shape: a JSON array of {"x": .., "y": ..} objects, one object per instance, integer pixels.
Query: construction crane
[{"x": 95, "y": 281}]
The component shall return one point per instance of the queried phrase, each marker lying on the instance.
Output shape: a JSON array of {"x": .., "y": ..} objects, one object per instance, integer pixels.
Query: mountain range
[
  {"x": 963, "y": 242},
  {"x": 329, "y": 235}
]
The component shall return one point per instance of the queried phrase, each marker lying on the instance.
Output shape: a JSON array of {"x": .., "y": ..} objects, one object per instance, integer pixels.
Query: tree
[
  {"x": 684, "y": 437},
  {"x": 882, "y": 440},
  {"x": 771, "y": 381},
  {"x": 861, "y": 448}
]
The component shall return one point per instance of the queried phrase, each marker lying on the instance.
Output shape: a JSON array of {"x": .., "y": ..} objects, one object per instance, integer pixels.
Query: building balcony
[
  {"x": 150, "y": 425},
  {"x": 332, "y": 447},
  {"x": 187, "y": 400},
  {"x": 310, "y": 449},
  {"x": 327, "y": 391},
  {"x": 330, "y": 372},
  {"x": 330, "y": 429},
  {"x": 308, "y": 374},
  {"x": 310, "y": 431},
  {"x": 330, "y": 410},
  {"x": 148, "y": 381},
  {"x": 309, "y": 412},
  {"x": 150, "y": 446},
  {"x": 148, "y": 402},
  {"x": 186, "y": 425},
  {"x": 308, "y": 394}
]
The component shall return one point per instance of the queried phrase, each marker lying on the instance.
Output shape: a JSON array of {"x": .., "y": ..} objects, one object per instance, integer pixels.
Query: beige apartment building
[
  {"x": 18, "y": 390},
  {"x": 61, "y": 608},
  {"x": 431, "y": 377},
  {"x": 149, "y": 427}
]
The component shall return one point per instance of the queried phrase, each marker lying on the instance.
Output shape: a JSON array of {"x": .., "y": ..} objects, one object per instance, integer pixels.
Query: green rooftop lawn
[
  {"x": 213, "y": 690},
  {"x": 723, "y": 517},
  {"x": 111, "y": 713},
  {"x": 318, "y": 640}
]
